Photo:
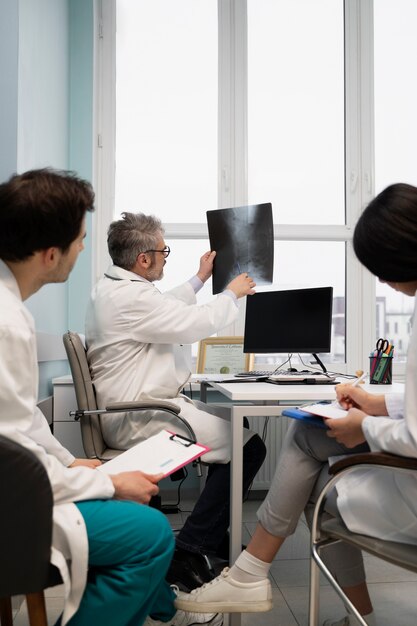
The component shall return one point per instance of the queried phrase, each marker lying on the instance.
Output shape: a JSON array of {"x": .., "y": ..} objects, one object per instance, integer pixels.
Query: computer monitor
[{"x": 296, "y": 320}]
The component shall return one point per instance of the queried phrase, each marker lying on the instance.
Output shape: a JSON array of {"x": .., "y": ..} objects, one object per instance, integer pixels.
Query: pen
[
  {"x": 359, "y": 380},
  {"x": 238, "y": 267}
]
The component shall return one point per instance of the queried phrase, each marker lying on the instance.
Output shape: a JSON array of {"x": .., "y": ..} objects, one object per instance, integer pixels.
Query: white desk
[{"x": 270, "y": 400}]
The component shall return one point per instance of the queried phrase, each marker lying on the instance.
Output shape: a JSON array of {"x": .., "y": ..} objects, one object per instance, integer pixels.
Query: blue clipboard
[{"x": 298, "y": 414}]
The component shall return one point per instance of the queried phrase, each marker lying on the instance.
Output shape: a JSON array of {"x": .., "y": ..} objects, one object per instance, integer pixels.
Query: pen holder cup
[{"x": 380, "y": 368}]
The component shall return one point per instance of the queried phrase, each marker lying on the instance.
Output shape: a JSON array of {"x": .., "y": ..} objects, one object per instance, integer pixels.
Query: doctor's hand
[
  {"x": 347, "y": 430},
  {"x": 136, "y": 486},
  {"x": 355, "y": 397},
  {"x": 93, "y": 463},
  {"x": 206, "y": 266},
  {"x": 242, "y": 285}
]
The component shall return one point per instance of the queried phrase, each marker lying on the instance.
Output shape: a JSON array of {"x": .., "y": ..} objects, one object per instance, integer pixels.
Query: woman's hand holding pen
[
  {"x": 349, "y": 396},
  {"x": 359, "y": 403}
]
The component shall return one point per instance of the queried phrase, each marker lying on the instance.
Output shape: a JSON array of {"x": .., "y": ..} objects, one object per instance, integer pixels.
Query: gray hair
[{"x": 133, "y": 234}]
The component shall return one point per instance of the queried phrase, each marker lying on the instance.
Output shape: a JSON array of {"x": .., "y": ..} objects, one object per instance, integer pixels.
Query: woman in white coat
[{"x": 371, "y": 502}]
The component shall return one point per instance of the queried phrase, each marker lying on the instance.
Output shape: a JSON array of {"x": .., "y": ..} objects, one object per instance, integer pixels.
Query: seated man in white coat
[
  {"x": 135, "y": 336},
  {"x": 125, "y": 547}
]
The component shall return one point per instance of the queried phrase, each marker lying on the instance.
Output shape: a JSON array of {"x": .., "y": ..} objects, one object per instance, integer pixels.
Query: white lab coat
[
  {"x": 381, "y": 503},
  {"x": 22, "y": 421},
  {"x": 135, "y": 336}
]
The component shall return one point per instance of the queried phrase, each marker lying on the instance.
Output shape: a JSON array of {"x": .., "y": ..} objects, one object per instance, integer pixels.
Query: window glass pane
[
  {"x": 395, "y": 92},
  {"x": 394, "y": 312},
  {"x": 166, "y": 108},
  {"x": 296, "y": 109},
  {"x": 182, "y": 264},
  {"x": 395, "y": 138},
  {"x": 298, "y": 265}
]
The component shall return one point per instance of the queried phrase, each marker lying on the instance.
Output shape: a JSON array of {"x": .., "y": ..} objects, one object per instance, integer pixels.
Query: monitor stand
[{"x": 320, "y": 363}]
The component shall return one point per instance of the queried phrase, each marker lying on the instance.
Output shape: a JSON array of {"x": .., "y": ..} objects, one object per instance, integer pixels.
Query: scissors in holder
[{"x": 382, "y": 346}]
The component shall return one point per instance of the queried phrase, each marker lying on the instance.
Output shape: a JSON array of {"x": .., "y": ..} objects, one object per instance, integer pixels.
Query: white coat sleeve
[
  {"x": 389, "y": 435},
  {"x": 164, "y": 319},
  {"x": 41, "y": 433},
  {"x": 392, "y": 434},
  {"x": 395, "y": 405},
  {"x": 18, "y": 391}
]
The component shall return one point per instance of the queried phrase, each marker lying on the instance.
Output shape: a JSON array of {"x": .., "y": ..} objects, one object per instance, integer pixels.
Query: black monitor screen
[{"x": 298, "y": 320}]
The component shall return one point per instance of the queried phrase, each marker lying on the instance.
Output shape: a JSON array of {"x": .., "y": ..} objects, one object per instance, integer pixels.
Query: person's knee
[
  {"x": 159, "y": 528},
  {"x": 309, "y": 439},
  {"x": 152, "y": 525}
]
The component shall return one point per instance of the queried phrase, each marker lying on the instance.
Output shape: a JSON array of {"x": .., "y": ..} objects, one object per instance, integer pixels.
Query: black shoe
[{"x": 189, "y": 570}]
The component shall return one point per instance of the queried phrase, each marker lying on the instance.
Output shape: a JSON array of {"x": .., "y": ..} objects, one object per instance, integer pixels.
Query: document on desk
[{"x": 165, "y": 452}]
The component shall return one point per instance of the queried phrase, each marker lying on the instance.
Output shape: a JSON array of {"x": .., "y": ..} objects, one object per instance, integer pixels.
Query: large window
[
  {"x": 395, "y": 137},
  {"x": 166, "y": 108},
  {"x": 296, "y": 109},
  {"x": 248, "y": 101}
]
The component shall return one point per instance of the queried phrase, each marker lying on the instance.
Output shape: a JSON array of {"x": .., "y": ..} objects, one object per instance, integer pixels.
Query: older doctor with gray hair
[{"x": 136, "y": 338}]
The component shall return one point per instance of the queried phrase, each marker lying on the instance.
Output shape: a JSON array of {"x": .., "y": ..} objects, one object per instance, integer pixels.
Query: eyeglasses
[{"x": 166, "y": 251}]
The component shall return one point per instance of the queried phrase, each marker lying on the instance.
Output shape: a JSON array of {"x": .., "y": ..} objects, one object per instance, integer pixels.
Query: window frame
[{"x": 232, "y": 181}]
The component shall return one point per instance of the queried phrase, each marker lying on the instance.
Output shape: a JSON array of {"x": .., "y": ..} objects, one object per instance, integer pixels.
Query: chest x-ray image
[{"x": 243, "y": 238}]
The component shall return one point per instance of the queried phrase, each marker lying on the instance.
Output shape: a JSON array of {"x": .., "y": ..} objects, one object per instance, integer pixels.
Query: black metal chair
[
  {"x": 25, "y": 532},
  {"x": 326, "y": 531}
]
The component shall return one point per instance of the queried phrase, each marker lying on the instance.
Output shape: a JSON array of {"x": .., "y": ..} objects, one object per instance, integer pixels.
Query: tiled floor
[{"x": 393, "y": 590}]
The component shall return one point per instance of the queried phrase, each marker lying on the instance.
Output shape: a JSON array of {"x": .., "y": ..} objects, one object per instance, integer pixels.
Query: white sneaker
[
  {"x": 182, "y": 618},
  {"x": 225, "y": 595}
]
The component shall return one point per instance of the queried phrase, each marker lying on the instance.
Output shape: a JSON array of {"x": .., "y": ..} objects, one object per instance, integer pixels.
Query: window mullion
[
  {"x": 105, "y": 130},
  {"x": 360, "y": 285}
]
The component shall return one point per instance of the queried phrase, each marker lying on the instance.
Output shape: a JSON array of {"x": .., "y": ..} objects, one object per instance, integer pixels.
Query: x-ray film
[{"x": 243, "y": 238}]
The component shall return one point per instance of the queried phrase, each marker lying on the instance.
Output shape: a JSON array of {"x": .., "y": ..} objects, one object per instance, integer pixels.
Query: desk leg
[
  {"x": 236, "y": 486},
  {"x": 203, "y": 392}
]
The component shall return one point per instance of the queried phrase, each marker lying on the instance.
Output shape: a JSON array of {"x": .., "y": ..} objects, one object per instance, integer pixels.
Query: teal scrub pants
[{"x": 130, "y": 549}]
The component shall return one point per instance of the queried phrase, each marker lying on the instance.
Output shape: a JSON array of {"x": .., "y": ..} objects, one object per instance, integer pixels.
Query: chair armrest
[
  {"x": 153, "y": 405},
  {"x": 371, "y": 458},
  {"x": 150, "y": 405}
]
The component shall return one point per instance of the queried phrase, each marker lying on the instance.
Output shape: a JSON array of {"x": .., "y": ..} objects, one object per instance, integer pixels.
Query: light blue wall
[
  {"x": 46, "y": 96},
  {"x": 43, "y": 96},
  {"x": 9, "y": 45},
  {"x": 43, "y": 137},
  {"x": 81, "y": 42}
]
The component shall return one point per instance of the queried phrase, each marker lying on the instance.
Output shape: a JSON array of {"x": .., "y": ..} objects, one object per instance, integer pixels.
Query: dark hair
[
  {"x": 133, "y": 234},
  {"x": 385, "y": 237},
  {"x": 41, "y": 209}
]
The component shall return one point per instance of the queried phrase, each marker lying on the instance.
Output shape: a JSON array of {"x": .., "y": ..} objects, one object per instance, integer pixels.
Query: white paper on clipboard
[
  {"x": 165, "y": 452},
  {"x": 323, "y": 409}
]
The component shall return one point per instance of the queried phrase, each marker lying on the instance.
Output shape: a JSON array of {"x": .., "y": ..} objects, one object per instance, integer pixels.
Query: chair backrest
[
  {"x": 25, "y": 521},
  {"x": 93, "y": 442}
]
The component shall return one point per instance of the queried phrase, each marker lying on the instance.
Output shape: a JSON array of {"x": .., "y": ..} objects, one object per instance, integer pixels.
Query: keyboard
[
  {"x": 254, "y": 373},
  {"x": 309, "y": 377},
  {"x": 289, "y": 376}
]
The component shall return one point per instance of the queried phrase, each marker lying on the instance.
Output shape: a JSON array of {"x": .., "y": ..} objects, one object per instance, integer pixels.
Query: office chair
[
  {"x": 325, "y": 532},
  {"x": 25, "y": 532},
  {"x": 89, "y": 414}
]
